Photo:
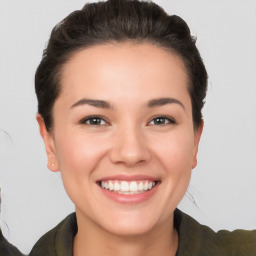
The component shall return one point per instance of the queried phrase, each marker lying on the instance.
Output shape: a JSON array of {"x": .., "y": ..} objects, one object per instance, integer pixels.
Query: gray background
[{"x": 223, "y": 183}]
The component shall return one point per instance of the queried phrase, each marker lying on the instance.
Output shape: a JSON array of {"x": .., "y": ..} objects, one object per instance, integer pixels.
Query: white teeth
[
  {"x": 126, "y": 187},
  {"x": 133, "y": 186},
  {"x": 116, "y": 186},
  {"x": 110, "y": 186},
  {"x": 141, "y": 187},
  {"x": 105, "y": 185},
  {"x": 146, "y": 186}
]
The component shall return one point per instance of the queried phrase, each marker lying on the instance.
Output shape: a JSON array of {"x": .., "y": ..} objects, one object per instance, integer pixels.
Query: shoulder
[
  {"x": 59, "y": 240},
  {"x": 6, "y": 248},
  {"x": 238, "y": 242},
  {"x": 200, "y": 240}
]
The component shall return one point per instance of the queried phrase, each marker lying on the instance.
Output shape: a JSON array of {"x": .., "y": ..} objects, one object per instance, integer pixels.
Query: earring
[{"x": 52, "y": 164}]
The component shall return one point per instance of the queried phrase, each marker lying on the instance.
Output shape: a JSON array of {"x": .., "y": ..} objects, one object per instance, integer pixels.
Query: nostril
[{"x": 129, "y": 158}]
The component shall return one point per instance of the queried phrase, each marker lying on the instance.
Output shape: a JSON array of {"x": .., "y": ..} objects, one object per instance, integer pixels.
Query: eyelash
[
  {"x": 96, "y": 121},
  {"x": 91, "y": 119},
  {"x": 167, "y": 120}
]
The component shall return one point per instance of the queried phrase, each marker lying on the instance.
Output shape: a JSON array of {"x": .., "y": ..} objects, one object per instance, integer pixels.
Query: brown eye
[
  {"x": 161, "y": 120},
  {"x": 93, "y": 120}
]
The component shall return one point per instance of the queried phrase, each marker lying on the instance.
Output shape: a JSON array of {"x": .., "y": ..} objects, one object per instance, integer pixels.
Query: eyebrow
[
  {"x": 164, "y": 101},
  {"x": 91, "y": 102},
  {"x": 107, "y": 105}
]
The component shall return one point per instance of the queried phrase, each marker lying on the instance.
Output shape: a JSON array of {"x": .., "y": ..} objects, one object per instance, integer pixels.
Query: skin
[{"x": 128, "y": 140}]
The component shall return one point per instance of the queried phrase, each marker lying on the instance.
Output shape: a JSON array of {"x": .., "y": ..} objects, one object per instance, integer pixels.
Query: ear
[
  {"x": 49, "y": 143},
  {"x": 197, "y": 136}
]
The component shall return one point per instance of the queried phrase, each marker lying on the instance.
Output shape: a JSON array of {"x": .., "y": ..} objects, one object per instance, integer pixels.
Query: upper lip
[{"x": 129, "y": 178}]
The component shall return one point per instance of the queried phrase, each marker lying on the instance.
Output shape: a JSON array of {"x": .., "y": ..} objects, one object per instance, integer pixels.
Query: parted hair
[{"x": 117, "y": 21}]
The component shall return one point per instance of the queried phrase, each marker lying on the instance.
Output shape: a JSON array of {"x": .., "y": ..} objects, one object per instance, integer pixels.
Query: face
[{"x": 123, "y": 136}]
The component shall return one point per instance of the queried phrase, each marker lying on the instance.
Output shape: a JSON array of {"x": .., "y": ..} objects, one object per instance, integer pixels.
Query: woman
[
  {"x": 120, "y": 91},
  {"x": 7, "y": 249}
]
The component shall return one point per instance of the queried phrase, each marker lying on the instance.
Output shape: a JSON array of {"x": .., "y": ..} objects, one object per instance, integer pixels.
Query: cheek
[
  {"x": 175, "y": 155},
  {"x": 176, "y": 152},
  {"x": 78, "y": 155}
]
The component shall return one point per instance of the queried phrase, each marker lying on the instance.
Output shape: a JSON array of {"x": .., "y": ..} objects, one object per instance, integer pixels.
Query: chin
[
  {"x": 129, "y": 229},
  {"x": 130, "y": 224}
]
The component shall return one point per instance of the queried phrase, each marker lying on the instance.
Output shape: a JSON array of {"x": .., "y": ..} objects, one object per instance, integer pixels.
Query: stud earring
[{"x": 52, "y": 164}]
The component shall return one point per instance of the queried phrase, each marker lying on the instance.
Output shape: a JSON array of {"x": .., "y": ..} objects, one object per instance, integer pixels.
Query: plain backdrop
[{"x": 224, "y": 182}]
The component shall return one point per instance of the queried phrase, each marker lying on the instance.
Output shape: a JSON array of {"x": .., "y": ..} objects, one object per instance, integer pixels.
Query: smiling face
[{"x": 123, "y": 136}]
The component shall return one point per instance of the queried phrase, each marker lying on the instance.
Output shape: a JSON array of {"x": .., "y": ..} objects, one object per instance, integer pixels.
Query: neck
[{"x": 93, "y": 240}]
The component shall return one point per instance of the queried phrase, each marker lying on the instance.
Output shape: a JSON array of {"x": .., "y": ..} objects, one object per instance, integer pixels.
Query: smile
[{"x": 128, "y": 187}]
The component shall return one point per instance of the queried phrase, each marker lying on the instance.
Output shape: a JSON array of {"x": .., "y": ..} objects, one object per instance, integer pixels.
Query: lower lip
[{"x": 130, "y": 199}]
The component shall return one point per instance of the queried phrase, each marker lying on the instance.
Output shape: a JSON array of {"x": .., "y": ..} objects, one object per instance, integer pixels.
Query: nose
[{"x": 129, "y": 147}]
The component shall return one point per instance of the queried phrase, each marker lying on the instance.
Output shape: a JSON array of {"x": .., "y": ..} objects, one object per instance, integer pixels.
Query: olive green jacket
[
  {"x": 7, "y": 249},
  {"x": 194, "y": 239}
]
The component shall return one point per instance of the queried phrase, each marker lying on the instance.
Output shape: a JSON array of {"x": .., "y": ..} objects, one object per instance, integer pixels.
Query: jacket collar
[{"x": 194, "y": 239}]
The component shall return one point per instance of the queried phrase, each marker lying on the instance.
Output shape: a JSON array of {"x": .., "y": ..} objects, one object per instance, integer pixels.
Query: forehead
[{"x": 123, "y": 68}]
